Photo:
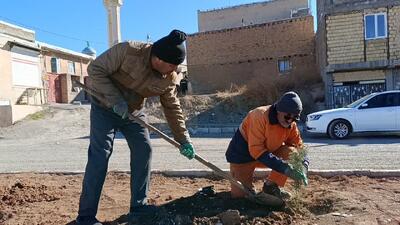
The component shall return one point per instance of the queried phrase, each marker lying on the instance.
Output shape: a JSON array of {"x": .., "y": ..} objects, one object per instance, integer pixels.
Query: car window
[
  {"x": 391, "y": 100},
  {"x": 384, "y": 100},
  {"x": 396, "y": 99},
  {"x": 357, "y": 102}
]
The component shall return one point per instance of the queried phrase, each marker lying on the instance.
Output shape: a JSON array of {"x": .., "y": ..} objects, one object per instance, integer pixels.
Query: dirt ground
[{"x": 30, "y": 198}]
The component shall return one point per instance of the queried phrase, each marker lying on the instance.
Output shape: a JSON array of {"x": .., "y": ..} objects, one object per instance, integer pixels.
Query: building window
[
  {"x": 284, "y": 66},
  {"x": 375, "y": 26},
  {"x": 55, "y": 65},
  {"x": 71, "y": 67}
]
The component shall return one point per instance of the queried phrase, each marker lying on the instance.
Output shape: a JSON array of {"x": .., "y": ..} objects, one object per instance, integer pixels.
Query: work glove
[
  {"x": 187, "y": 150},
  {"x": 297, "y": 175},
  {"x": 121, "y": 109}
]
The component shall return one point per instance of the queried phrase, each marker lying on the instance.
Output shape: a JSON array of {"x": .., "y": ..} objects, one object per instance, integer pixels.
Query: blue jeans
[{"x": 103, "y": 125}]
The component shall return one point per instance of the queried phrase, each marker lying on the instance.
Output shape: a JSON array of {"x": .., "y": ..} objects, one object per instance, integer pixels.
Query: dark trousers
[{"x": 103, "y": 125}]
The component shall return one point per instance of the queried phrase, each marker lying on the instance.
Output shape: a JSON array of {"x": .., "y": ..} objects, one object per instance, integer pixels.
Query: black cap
[
  {"x": 289, "y": 103},
  {"x": 170, "y": 48}
]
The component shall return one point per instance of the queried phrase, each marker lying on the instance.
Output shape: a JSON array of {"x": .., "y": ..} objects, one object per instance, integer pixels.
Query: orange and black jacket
[{"x": 259, "y": 135}]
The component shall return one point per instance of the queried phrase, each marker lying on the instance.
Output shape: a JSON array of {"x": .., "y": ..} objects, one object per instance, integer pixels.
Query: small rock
[
  {"x": 341, "y": 214},
  {"x": 276, "y": 216},
  {"x": 230, "y": 217}
]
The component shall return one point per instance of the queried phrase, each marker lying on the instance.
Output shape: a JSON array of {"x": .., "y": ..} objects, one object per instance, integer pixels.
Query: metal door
[{"x": 346, "y": 94}]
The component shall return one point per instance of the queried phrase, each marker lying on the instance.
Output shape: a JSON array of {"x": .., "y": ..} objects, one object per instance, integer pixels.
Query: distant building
[
  {"x": 251, "y": 14},
  {"x": 358, "y": 48},
  {"x": 35, "y": 73},
  {"x": 59, "y": 67},
  {"x": 279, "y": 45},
  {"x": 20, "y": 79}
]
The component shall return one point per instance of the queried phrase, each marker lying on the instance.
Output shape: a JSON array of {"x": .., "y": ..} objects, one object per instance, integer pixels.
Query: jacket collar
[
  {"x": 147, "y": 60},
  {"x": 273, "y": 116}
]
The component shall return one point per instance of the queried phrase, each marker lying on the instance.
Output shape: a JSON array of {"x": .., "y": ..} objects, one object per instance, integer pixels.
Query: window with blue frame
[
  {"x": 55, "y": 65},
  {"x": 375, "y": 26},
  {"x": 284, "y": 65}
]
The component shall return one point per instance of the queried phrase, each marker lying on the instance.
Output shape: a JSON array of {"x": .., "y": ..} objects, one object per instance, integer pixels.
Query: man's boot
[
  {"x": 145, "y": 212},
  {"x": 87, "y": 220},
  {"x": 272, "y": 188}
]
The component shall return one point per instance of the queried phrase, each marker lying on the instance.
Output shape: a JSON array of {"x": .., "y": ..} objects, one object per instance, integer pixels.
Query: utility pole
[{"x": 114, "y": 29}]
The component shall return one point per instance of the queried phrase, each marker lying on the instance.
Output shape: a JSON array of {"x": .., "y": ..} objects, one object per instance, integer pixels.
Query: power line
[{"x": 50, "y": 32}]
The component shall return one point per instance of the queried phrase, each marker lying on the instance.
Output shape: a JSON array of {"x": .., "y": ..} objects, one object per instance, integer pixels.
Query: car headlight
[{"x": 314, "y": 117}]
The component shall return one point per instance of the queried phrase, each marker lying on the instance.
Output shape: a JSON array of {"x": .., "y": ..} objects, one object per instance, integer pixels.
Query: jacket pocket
[{"x": 123, "y": 78}]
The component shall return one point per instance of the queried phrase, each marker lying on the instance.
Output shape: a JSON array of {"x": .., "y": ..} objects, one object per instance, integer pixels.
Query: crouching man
[{"x": 265, "y": 138}]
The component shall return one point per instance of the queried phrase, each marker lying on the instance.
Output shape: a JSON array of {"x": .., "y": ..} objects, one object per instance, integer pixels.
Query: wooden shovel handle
[{"x": 213, "y": 167}]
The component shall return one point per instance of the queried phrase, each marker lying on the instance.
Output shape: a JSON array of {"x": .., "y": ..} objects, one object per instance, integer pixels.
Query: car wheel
[{"x": 339, "y": 129}]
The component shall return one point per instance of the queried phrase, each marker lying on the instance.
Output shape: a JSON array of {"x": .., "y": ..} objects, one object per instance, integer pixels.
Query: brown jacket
[{"x": 124, "y": 73}]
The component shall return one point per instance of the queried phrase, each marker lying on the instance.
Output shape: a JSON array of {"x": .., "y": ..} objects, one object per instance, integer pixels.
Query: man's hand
[
  {"x": 297, "y": 175},
  {"x": 187, "y": 150},
  {"x": 121, "y": 109}
]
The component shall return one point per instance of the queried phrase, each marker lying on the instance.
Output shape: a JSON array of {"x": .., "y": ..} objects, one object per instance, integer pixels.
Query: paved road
[{"x": 371, "y": 152}]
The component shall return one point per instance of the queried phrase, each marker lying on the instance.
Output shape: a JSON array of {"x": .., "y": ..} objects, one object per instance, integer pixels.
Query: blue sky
[{"x": 68, "y": 23}]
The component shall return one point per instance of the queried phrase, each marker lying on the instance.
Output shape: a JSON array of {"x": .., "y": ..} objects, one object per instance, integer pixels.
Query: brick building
[
  {"x": 59, "y": 67},
  {"x": 281, "y": 49},
  {"x": 358, "y": 48}
]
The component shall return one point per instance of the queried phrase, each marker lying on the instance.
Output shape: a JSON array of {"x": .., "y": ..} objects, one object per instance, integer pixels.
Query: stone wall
[
  {"x": 394, "y": 32},
  {"x": 345, "y": 38}
]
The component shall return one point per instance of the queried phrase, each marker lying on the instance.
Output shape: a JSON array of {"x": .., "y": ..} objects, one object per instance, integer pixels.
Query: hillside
[{"x": 231, "y": 106}]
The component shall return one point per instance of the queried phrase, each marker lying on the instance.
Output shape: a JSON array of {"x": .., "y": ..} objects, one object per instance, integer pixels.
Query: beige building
[
  {"x": 358, "y": 45},
  {"x": 250, "y": 14},
  {"x": 20, "y": 78}
]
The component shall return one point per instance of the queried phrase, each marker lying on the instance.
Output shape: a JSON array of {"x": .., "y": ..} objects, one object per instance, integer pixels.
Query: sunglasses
[{"x": 292, "y": 117}]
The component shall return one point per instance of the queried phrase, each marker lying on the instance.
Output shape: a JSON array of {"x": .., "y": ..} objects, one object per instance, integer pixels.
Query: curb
[{"x": 257, "y": 174}]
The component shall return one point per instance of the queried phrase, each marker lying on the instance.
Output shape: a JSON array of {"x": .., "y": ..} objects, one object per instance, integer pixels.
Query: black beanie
[
  {"x": 170, "y": 48},
  {"x": 289, "y": 103}
]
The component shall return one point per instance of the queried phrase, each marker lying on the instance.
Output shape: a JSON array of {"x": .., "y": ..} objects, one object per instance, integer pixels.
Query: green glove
[
  {"x": 297, "y": 175},
  {"x": 121, "y": 109},
  {"x": 187, "y": 150}
]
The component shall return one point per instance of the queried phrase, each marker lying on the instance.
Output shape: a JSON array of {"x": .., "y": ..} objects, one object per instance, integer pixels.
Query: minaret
[{"x": 114, "y": 30}]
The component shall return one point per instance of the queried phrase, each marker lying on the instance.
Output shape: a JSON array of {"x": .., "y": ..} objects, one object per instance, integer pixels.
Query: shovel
[{"x": 260, "y": 198}]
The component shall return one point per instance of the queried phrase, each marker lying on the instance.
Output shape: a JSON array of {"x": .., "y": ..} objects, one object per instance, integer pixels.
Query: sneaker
[
  {"x": 273, "y": 189},
  {"x": 87, "y": 220}
]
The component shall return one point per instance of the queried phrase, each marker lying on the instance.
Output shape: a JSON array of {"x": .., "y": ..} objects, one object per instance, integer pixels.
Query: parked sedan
[{"x": 373, "y": 112}]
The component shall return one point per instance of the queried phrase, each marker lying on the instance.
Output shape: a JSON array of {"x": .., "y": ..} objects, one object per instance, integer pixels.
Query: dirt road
[{"x": 59, "y": 141}]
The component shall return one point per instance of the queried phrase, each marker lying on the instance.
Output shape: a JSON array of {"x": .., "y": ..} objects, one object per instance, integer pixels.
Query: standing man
[
  {"x": 126, "y": 74},
  {"x": 265, "y": 138}
]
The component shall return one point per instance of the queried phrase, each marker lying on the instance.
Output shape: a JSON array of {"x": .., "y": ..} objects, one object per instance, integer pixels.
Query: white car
[{"x": 373, "y": 112}]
